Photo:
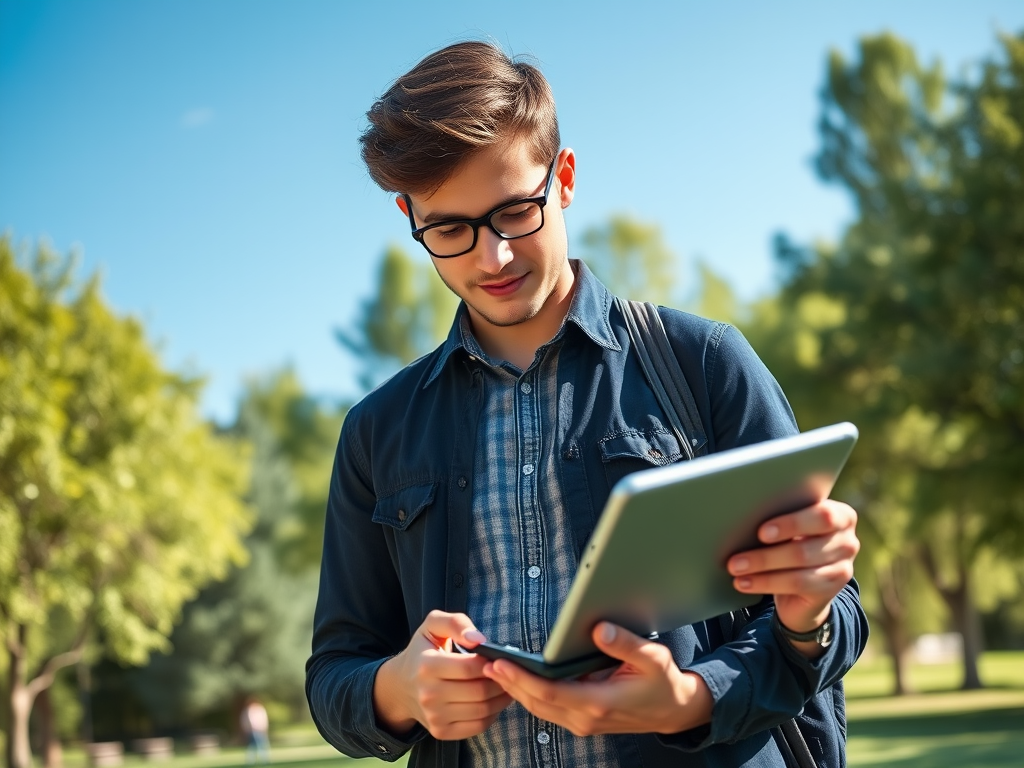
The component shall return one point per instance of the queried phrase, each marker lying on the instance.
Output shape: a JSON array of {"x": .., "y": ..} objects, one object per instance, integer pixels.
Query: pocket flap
[
  {"x": 657, "y": 448},
  {"x": 400, "y": 508}
]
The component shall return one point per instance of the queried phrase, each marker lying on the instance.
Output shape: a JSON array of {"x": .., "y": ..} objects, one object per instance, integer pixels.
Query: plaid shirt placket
[{"x": 521, "y": 556}]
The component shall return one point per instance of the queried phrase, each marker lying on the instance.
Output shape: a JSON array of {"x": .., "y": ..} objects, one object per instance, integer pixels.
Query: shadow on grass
[{"x": 991, "y": 738}]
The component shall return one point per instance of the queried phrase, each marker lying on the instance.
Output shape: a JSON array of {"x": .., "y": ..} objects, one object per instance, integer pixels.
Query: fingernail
[
  {"x": 474, "y": 636},
  {"x": 770, "y": 533},
  {"x": 607, "y": 633},
  {"x": 744, "y": 583},
  {"x": 740, "y": 564}
]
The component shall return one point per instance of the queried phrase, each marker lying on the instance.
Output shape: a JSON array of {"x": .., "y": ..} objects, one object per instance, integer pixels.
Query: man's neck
[{"x": 518, "y": 344}]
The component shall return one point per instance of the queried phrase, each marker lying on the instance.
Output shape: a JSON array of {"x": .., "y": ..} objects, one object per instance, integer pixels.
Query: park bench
[
  {"x": 204, "y": 744},
  {"x": 154, "y": 749},
  {"x": 105, "y": 753}
]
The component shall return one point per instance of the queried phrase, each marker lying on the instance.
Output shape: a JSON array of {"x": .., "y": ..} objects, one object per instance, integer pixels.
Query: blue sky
[{"x": 203, "y": 155}]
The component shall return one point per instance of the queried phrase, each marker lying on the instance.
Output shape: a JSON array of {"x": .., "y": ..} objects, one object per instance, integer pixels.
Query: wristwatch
[{"x": 822, "y": 635}]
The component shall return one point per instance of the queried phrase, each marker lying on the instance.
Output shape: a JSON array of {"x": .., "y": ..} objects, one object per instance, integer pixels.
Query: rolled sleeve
[
  {"x": 760, "y": 680},
  {"x": 364, "y": 736}
]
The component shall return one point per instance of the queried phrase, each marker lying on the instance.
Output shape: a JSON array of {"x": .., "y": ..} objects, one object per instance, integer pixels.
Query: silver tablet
[{"x": 656, "y": 560}]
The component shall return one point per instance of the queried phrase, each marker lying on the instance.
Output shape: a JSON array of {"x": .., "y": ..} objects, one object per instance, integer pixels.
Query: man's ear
[
  {"x": 400, "y": 201},
  {"x": 565, "y": 170}
]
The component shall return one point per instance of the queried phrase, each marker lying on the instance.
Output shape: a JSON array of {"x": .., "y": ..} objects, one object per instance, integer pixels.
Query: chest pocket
[
  {"x": 400, "y": 509},
  {"x": 628, "y": 452}
]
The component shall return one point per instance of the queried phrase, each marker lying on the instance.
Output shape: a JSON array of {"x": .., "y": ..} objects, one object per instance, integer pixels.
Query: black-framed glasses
[{"x": 445, "y": 239}]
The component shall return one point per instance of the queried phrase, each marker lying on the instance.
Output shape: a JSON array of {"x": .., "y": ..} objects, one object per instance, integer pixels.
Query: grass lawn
[{"x": 938, "y": 727}]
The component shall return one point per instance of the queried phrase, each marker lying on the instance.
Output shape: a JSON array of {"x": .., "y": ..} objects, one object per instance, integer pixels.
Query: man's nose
[{"x": 493, "y": 252}]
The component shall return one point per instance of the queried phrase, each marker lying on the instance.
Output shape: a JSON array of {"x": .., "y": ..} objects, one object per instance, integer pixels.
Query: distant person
[
  {"x": 256, "y": 726},
  {"x": 466, "y": 486}
]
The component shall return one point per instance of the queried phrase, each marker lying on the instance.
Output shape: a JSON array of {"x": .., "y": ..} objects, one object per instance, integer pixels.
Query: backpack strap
[
  {"x": 662, "y": 371},
  {"x": 668, "y": 382}
]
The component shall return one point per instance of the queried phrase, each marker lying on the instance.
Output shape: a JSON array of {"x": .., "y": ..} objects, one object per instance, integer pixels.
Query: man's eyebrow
[{"x": 435, "y": 216}]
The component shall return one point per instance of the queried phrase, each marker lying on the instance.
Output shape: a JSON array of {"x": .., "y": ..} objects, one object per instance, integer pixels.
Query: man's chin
[{"x": 512, "y": 316}]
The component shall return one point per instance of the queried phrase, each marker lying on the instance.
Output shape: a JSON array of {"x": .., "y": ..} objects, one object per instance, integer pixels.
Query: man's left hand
[
  {"x": 808, "y": 560},
  {"x": 646, "y": 693}
]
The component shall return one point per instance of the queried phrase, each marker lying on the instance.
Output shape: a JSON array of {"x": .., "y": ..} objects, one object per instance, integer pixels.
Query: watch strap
[{"x": 822, "y": 635}]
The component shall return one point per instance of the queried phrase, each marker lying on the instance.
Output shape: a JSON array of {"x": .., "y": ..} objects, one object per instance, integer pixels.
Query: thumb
[
  {"x": 440, "y": 627},
  {"x": 622, "y": 644}
]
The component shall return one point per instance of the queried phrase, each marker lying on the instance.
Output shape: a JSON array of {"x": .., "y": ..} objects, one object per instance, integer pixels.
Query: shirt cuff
[
  {"x": 732, "y": 684},
  {"x": 385, "y": 745}
]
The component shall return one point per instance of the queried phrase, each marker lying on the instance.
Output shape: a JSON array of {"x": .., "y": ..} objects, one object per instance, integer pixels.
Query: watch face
[{"x": 825, "y": 634}]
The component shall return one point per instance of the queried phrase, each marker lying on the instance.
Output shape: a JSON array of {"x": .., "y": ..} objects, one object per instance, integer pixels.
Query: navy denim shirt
[{"x": 397, "y": 533}]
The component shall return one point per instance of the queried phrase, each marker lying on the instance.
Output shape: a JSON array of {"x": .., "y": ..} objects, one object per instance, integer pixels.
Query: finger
[
  {"x": 822, "y": 518},
  {"x": 462, "y": 729},
  {"x": 469, "y": 711},
  {"x": 546, "y": 699},
  {"x": 442, "y": 665},
  {"x": 439, "y": 627},
  {"x": 826, "y": 580},
  {"x": 442, "y": 727},
  {"x": 629, "y": 648},
  {"x": 810, "y": 552}
]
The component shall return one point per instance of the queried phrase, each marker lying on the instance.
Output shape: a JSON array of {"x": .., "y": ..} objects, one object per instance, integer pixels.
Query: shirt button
[
  {"x": 543, "y": 737},
  {"x": 534, "y": 572},
  {"x": 382, "y": 748},
  {"x": 525, "y": 388},
  {"x": 463, "y": 482},
  {"x": 527, "y": 469},
  {"x": 401, "y": 515}
]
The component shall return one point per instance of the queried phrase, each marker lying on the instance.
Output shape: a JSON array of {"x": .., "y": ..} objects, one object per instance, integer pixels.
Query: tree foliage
[
  {"x": 914, "y": 324},
  {"x": 409, "y": 314},
  {"x": 632, "y": 259},
  {"x": 249, "y": 634},
  {"x": 116, "y": 502}
]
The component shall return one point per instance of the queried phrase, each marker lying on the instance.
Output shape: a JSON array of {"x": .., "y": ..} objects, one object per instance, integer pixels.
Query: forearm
[
  {"x": 694, "y": 703},
  {"x": 390, "y": 699},
  {"x": 759, "y": 679}
]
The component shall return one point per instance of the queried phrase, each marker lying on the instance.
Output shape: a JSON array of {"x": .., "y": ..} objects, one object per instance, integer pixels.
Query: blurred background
[{"x": 198, "y": 278}]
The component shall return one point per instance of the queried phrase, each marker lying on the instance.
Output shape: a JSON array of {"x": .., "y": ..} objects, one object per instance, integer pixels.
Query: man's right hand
[{"x": 430, "y": 683}]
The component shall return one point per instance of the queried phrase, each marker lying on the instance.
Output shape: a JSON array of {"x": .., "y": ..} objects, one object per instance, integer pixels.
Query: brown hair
[{"x": 456, "y": 101}]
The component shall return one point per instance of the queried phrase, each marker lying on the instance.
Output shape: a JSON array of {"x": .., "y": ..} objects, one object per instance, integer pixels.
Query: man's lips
[{"x": 503, "y": 288}]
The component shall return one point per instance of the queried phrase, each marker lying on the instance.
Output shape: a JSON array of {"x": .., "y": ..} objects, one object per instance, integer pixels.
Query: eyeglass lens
[{"x": 515, "y": 220}]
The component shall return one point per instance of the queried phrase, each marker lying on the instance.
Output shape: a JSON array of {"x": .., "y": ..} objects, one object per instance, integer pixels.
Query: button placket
[{"x": 528, "y": 427}]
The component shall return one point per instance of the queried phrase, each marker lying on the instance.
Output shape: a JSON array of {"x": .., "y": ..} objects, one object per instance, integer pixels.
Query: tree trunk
[
  {"x": 896, "y": 646},
  {"x": 53, "y": 754},
  {"x": 892, "y": 616},
  {"x": 19, "y": 753},
  {"x": 968, "y": 624},
  {"x": 964, "y": 613}
]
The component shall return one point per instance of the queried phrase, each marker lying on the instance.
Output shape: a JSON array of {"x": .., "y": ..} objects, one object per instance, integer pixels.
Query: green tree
[
  {"x": 300, "y": 432},
  {"x": 931, "y": 279},
  {"x": 791, "y": 331},
  {"x": 408, "y": 316},
  {"x": 250, "y": 633},
  {"x": 631, "y": 258},
  {"x": 116, "y": 502}
]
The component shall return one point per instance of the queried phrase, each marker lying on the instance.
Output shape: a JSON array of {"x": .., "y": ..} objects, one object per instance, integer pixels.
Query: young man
[{"x": 466, "y": 486}]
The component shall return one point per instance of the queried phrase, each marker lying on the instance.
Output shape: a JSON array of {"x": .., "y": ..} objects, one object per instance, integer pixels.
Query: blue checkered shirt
[{"x": 521, "y": 560}]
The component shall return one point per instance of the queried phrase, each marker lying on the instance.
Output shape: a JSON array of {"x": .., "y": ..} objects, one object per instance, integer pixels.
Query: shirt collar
[{"x": 588, "y": 311}]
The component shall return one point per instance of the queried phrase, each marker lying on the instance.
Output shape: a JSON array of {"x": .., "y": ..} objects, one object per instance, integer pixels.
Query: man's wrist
[
  {"x": 694, "y": 703},
  {"x": 388, "y": 699},
  {"x": 811, "y": 642}
]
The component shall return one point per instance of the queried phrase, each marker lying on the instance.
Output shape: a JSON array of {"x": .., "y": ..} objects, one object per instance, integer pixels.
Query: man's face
[{"x": 506, "y": 283}]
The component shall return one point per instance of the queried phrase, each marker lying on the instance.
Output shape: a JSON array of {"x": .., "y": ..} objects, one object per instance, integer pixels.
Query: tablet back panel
[{"x": 656, "y": 560}]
